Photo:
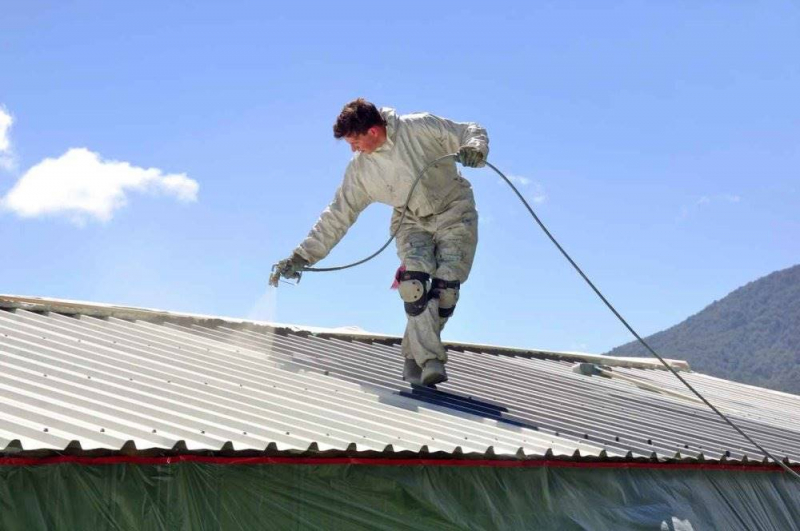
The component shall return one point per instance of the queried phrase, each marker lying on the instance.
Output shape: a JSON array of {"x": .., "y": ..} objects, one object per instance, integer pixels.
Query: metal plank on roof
[
  {"x": 133, "y": 378},
  {"x": 309, "y": 364},
  {"x": 120, "y": 363},
  {"x": 474, "y": 388},
  {"x": 358, "y": 414},
  {"x": 205, "y": 383},
  {"x": 647, "y": 450}
]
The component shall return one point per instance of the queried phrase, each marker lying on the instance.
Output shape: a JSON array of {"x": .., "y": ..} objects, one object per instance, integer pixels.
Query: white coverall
[{"x": 440, "y": 230}]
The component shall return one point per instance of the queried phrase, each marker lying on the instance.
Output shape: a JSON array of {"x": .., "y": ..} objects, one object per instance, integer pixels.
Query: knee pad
[
  {"x": 447, "y": 293},
  {"x": 413, "y": 290}
]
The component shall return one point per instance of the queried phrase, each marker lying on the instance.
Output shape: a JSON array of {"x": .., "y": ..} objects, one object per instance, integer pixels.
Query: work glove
[
  {"x": 470, "y": 156},
  {"x": 291, "y": 268}
]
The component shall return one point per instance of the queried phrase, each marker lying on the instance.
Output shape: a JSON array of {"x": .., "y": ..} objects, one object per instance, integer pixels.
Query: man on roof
[{"x": 436, "y": 241}]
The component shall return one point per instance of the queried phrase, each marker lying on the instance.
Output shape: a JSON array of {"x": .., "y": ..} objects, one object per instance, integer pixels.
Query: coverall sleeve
[
  {"x": 350, "y": 200},
  {"x": 453, "y": 135}
]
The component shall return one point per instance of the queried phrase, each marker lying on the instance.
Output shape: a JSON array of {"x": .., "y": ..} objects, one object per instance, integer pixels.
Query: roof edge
[
  {"x": 386, "y": 457},
  {"x": 93, "y": 309}
]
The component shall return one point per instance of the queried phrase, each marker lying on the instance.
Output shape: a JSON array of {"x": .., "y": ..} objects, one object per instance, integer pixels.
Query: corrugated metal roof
[{"x": 93, "y": 381}]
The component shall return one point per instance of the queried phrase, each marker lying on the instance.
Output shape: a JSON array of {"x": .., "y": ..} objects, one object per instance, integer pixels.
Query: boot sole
[{"x": 434, "y": 379}]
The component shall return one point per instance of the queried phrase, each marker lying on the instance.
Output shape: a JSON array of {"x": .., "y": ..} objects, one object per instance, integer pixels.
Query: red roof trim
[{"x": 263, "y": 460}]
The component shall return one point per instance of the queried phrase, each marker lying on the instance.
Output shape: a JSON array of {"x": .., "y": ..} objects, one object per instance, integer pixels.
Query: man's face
[{"x": 368, "y": 142}]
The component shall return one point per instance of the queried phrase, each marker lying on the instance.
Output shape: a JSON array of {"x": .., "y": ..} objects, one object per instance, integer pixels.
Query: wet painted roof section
[{"x": 79, "y": 377}]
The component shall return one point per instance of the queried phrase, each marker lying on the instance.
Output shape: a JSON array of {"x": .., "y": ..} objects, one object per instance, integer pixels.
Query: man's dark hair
[{"x": 356, "y": 118}]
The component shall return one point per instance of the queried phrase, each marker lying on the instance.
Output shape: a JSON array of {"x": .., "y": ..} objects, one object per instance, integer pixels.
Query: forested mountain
[{"x": 751, "y": 336}]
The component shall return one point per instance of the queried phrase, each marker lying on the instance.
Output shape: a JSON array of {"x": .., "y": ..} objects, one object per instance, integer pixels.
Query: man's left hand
[{"x": 470, "y": 157}]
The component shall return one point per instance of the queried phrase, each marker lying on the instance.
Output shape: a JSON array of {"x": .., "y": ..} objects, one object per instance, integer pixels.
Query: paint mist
[{"x": 264, "y": 309}]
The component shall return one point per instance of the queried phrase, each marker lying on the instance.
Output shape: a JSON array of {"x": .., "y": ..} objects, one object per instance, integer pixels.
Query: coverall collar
[{"x": 390, "y": 116}]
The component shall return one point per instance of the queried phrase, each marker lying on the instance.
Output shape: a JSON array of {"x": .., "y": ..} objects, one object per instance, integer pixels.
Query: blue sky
[{"x": 190, "y": 147}]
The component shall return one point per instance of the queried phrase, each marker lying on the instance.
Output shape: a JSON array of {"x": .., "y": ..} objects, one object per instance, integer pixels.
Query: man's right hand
[
  {"x": 470, "y": 156},
  {"x": 290, "y": 268}
]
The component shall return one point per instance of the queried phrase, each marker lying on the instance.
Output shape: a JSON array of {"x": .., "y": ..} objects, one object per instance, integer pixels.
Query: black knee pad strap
[
  {"x": 437, "y": 285},
  {"x": 446, "y": 312}
]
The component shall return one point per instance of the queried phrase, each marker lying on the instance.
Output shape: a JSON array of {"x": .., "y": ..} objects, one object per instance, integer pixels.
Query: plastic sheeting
[{"x": 198, "y": 495}]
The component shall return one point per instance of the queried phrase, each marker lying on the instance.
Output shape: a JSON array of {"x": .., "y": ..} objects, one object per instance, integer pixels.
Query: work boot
[
  {"x": 433, "y": 373},
  {"x": 412, "y": 373}
]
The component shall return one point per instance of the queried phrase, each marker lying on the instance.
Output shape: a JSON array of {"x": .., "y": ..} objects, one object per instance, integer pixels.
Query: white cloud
[
  {"x": 82, "y": 186},
  {"x": 537, "y": 190},
  {"x": 705, "y": 200},
  {"x": 6, "y": 154},
  {"x": 539, "y": 195},
  {"x": 5, "y": 125},
  {"x": 524, "y": 181},
  {"x": 7, "y": 161},
  {"x": 726, "y": 198},
  {"x": 579, "y": 347}
]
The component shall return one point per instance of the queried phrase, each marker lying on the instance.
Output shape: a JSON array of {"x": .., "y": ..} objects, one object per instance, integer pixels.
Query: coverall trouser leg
[{"x": 442, "y": 245}]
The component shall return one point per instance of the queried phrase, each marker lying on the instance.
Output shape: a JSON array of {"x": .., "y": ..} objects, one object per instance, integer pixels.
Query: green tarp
[{"x": 200, "y": 496}]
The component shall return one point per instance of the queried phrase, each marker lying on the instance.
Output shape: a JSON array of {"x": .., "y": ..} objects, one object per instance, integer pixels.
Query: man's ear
[{"x": 374, "y": 131}]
